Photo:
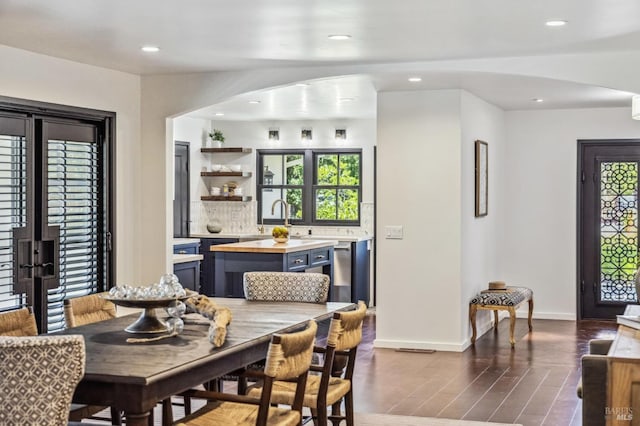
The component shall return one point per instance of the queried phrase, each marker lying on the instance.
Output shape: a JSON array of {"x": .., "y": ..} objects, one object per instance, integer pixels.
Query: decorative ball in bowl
[
  {"x": 280, "y": 234},
  {"x": 214, "y": 229}
]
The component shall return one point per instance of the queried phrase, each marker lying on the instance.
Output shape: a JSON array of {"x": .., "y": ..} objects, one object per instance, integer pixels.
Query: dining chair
[
  {"x": 309, "y": 287},
  {"x": 288, "y": 358},
  {"x": 81, "y": 311},
  {"x": 88, "y": 309},
  {"x": 19, "y": 322},
  {"x": 335, "y": 383},
  {"x": 39, "y": 375}
]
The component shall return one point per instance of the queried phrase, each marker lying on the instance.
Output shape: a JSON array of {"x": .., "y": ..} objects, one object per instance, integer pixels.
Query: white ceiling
[{"x": 212, "y": 35}]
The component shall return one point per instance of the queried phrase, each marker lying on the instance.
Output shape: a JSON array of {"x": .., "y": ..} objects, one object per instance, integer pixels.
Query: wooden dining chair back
[
  {"x": 39, "y": 375},
  {"x": 88, "y": 309},
  {"x": 286, "y": 286},
  {"x": 335, "y": 381},
  {"x": 288, "y": 358}
]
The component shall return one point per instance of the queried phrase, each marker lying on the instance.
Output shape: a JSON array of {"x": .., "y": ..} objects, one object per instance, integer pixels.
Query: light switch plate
[{"x": 393, "y": 232}]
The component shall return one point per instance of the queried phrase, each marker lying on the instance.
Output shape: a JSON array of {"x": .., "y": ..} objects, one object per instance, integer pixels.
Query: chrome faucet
[{"x": 286, "y": 210}]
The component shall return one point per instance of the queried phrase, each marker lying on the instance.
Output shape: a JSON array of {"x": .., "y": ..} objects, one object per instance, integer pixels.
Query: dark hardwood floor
[{"x": 533, "y": 384}]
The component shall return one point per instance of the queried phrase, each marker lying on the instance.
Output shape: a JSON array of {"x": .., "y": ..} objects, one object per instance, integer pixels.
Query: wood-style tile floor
[{"x": 533, "y": 384}]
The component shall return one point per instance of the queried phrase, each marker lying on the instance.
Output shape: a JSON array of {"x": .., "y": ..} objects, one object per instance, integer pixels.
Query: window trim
[{"x": 310, "y": 186}]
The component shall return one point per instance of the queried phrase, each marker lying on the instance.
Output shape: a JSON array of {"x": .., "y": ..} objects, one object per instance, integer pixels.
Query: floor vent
[{"x": 417, "y": 351}]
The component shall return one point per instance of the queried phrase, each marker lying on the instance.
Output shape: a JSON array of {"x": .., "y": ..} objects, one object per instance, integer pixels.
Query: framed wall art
[{"x": 482, "y": 178}]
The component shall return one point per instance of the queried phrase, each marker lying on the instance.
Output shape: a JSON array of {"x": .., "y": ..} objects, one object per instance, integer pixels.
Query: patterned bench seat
[{"x": 501, "y": 300}]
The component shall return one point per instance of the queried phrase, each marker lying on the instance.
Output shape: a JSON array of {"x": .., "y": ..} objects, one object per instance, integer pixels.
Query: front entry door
[{"x": 607, "y": 226}]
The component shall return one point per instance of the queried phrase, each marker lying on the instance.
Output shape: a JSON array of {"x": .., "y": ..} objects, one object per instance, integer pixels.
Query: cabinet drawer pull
[
  {"x": 182, "y": 252},
  {"x": 320, "y": 256},
  {"x": 298, "y": 261}
]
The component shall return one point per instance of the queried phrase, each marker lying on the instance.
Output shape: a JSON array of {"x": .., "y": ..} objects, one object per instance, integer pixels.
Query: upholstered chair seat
[{"x": 592, "y": 387}]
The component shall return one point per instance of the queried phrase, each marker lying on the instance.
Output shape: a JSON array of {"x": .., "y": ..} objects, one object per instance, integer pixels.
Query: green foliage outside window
[
  {"x": 339, "y": 170},
  {"x": 335, "y": 195}
]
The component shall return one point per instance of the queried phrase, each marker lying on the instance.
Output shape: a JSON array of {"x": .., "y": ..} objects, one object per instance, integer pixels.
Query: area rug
[{"x": 365, "y": 419}]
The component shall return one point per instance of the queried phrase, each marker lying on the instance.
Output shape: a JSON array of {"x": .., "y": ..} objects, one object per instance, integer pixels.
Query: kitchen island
[{"x": 233, "y": 260}]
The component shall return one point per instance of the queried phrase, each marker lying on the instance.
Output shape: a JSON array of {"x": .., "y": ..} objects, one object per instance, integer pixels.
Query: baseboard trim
[
  {"x": 545, "y": 315},
  {"x": 482, "y": 328},
  {"x": 419, "y": 346}
]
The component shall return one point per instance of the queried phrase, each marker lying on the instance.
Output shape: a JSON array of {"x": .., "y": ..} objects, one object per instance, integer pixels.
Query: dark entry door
[
  {"x": 54, "y": 233},
  {"x": 607, "y": 226},
  {"x": 181, "y": 197}
]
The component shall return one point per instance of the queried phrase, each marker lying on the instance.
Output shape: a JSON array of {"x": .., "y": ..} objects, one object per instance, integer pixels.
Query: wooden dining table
[{"x": 133, "y": 377}]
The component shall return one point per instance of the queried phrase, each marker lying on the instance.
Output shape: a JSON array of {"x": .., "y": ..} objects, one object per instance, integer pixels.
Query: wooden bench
[{"x": 501, "y": 300}]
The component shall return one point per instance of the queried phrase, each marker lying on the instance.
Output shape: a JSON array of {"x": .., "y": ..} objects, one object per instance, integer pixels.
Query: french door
[
  {"x": 609, "y": 179},
  {"x": 55, "y": 237}
]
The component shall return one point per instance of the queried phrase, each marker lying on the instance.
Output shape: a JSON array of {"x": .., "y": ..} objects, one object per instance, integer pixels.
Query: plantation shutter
[{"x": 74, "y": 206}]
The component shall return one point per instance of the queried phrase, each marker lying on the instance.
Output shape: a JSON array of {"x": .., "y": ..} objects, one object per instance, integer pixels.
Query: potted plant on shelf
[{"x": 217, "y": 137}]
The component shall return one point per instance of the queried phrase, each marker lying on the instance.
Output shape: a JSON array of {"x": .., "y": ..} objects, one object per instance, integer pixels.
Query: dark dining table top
[{"x": 110, "y": 359}]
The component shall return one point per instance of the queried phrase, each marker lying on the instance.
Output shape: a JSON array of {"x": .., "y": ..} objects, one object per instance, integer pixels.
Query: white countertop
[
  {"x": 184, "y": 258},
  {"x": 270, "y": 246},
  {"x": 348, "y": 238},
  {"x": 180, "y": 241}
]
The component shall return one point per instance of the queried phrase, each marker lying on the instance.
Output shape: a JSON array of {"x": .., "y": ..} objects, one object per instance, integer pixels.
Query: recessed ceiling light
[
  {"x": 538, "y": 100},
  {"x": 415, "y": 79},
  {"x": 150, "y": 49},
  {"x": 339, "y": 37},
  {"x": 219, "y": 114},
  {"x": 302, "y": 84},
  {"x": 556, "y": 23},
  {"x": 346, "y": 100},
  {"x": 254, "y": 102}
]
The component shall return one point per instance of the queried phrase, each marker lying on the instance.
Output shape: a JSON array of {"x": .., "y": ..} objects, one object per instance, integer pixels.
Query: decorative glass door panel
[
  {"x": 608, "y": 231},
  {"x": 618, "y": 231}
]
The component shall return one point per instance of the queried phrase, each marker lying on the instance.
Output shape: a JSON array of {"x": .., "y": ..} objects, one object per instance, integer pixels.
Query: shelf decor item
[
  {"x": 482, "y": 178},
  {"x": 217, "y": 137}
]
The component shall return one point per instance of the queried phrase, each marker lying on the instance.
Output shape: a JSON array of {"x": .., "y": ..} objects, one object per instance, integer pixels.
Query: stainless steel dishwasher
[{"x": 342, "y": 271}]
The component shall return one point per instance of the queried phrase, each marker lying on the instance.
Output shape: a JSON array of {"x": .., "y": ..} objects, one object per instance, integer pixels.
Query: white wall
[
  {"x": 43, "y": 78},
  {"x": 538, "y": 246},
  {"x": 419, "y": 187},
  {"x": 480, "y": 259}
]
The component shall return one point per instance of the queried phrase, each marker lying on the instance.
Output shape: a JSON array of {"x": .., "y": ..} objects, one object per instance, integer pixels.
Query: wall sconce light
[
  {"x": 635, "y": 107},
  {"x": 274, "y": 134},
  {"x": 341, "y": 134},
  {"x": 306, "y": 135},
  {"x": 267, "y": 177}
]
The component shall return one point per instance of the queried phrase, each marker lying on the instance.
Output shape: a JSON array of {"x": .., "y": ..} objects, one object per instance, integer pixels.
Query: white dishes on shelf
[
  {"x": 235, "y": 167},
  {"x": 215, "y": 190},
  {"x": 216, "y": 167}
]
